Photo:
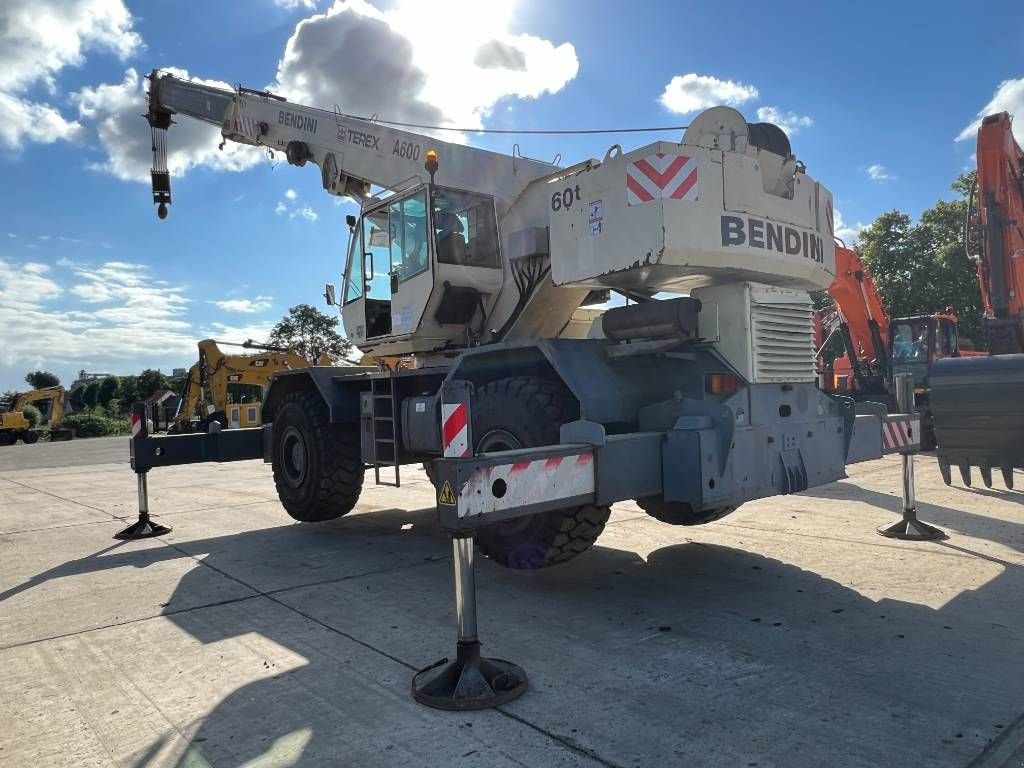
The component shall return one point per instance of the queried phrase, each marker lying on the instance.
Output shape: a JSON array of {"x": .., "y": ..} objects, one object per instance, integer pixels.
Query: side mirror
[
  {"x": 329, "y": 295},
  {"x": 351, "y": 221}
]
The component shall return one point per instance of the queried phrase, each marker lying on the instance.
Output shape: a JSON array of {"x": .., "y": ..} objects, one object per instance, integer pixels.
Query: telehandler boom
[{"x": 472, "y": 264}]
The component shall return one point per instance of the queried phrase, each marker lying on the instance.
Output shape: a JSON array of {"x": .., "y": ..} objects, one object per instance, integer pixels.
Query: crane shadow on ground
[{"x": 713, "y": 636}]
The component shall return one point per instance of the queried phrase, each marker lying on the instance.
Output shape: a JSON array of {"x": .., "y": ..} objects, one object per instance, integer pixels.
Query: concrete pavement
[{"x": 787, "y": 634}]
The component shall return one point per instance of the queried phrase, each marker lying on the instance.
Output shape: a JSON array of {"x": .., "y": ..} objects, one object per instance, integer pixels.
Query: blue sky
[{"x": 876, "y": 97}]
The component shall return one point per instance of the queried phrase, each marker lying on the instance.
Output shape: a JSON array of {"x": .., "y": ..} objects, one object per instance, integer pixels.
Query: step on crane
[{"x": 472, "y": 264}]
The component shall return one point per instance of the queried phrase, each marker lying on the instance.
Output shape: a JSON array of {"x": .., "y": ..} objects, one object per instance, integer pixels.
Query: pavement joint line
[
  {"x": 218, "y": 603},
  {"x": 565, "y": 742},
  {"x": 61, "y": 498},
  {"x": 879, "y": 544},
  {"x": 1012, "y": 738},
  {"x": 61, "y": 527}
]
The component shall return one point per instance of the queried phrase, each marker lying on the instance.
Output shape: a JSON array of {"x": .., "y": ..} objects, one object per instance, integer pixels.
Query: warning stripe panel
[
  {"x": 662, "y": 176},
  {"x": 900, "y": 433},
  {"x": 455, "y": 430},
  {"x": 517, "y": 484}
]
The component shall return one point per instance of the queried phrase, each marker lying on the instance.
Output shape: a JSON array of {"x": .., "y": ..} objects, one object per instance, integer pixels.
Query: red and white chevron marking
[
  {"x": 247, "y": 126},
  {"x": 136, "y": 425},
  {"x": 661, "y": 176},
  {"x": 900, "y": 433},
  {"x": 455, "y": 430},
  {"x": 491, "y": 489}
]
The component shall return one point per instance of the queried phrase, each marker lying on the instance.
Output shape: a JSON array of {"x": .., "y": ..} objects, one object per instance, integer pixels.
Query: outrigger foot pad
[
  {"x": 469, "y": 682},
  {"x": 912, "y": 530},
  {"x": 143, "y": 528}
]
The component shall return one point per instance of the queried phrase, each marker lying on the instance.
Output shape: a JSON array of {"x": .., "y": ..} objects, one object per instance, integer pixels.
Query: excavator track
[{"x": 978, "y": 411}]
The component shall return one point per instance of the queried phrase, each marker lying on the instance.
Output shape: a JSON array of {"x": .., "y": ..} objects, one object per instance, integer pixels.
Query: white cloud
[
  {"x": 1009, "y": 97},
  {"x": 878, "y": 172},
  {"x": 307, "y": 213},
  {"x": 291, "y": 5},
  {"x": 39, "y": 38},
  {"x": 246, "y": 306},
  {"x": 693, "y": 92},
  {"x": 293, "y": 212},
  {"x": 258, "y": 332},
  {"x": 21, "y": 120},
  {"x": 848, "y": 233},
  {"x": 790, "y": 122},
  {"x": 291, "y": 194},
  {"x": 414, "y": 49},
  {"x": 132, "y": 320},
  {"x": 113, "y": 110}
]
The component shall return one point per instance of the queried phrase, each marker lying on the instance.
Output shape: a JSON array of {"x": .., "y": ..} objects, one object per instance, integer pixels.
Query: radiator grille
[{"x": 783, "y": 340}]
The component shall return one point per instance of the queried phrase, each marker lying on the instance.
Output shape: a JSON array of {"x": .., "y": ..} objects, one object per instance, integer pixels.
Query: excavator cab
[
  {"x": 917, "y": 342},
  {"x": 422, "y": 265}
]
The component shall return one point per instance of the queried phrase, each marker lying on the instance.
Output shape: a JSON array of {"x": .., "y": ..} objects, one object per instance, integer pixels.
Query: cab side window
[
  {"x": 410, "y": 244},
  {"x": 465, "y": 229}
]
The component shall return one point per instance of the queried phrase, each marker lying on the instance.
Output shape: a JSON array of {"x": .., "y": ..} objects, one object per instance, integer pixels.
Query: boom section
[{"x": 352, "y": 153}]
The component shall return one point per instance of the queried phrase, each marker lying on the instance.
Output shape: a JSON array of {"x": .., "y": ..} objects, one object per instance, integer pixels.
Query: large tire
[
  {"x": 679, "y": 512},
  {"x": 7, "y": 437},
  {"x": 30, "y": 436},
  {"x": 318, "y": 466},
  {"x": 524, "y": 412}
]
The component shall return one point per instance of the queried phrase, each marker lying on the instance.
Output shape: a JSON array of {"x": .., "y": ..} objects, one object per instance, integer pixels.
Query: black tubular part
[
  {"x": 532, "y": 409},
  {"x": 332, "y": 476},
  {"x": 977, "y": 408},
  {"x": 671, "y": 318}
]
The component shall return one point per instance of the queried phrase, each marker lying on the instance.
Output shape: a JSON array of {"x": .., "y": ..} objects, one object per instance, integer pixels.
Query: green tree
[
  {"x": 42, "y": 379},
  {"x": 311, "y": 333},
  {"x": 129, "y": 391},
  {"x": 75, "y": 397},
  {"x": 108, "y": 390},
  {"x": 150, "y": 381},
  {"x": 90, "y": 397},
  {"x": 33, "y": 415},
  {"x": 923, "y": 268}
]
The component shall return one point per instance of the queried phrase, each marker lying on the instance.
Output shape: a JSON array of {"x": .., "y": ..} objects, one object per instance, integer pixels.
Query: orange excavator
[
  {"x": 978, "y": 402},
  {"x": 876, "y": 349}
]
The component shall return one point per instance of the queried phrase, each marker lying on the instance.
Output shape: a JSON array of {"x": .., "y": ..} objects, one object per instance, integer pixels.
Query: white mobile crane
[{"x": 471, "y": 264}]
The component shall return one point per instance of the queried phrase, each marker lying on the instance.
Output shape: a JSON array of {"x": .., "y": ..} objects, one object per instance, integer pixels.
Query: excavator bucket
[{"x": 977, "y": 406}]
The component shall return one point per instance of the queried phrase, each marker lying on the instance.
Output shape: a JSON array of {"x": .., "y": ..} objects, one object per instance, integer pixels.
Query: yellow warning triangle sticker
[{"x": 446, "y": 496}]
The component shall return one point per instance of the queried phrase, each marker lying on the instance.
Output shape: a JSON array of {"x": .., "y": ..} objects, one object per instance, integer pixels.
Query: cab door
[
  {"x": 366, "y": 303},
  {"x": 411, "y": 278}
]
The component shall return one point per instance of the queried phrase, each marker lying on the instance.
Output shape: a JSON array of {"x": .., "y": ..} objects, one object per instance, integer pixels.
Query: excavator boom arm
[{"x": 1000, "y": 220}]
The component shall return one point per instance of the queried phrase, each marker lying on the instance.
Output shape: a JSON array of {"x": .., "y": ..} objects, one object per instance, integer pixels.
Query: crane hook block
[
  {"x": 161, "y": 191},
  {"x": 298, "y": 153}
]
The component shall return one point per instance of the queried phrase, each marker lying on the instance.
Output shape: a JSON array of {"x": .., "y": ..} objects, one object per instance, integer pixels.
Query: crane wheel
[
  {"x": 6, "y": 438},
  {"x": 318, "y": 467},
  {"x": 30, "y": 436},
  {"x": 524, "y": 412},
  {"x": 679, "y": 512}
]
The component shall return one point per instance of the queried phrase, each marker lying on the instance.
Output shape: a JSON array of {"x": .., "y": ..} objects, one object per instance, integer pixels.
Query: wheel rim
[{"x": 294, "y": 457}]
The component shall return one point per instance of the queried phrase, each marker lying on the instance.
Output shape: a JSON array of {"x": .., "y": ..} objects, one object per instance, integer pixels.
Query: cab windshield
[{"x": 910, "y": 339}]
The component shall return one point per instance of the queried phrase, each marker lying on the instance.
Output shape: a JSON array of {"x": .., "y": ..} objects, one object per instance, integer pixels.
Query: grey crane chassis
[{"x": 690, "y": 405}]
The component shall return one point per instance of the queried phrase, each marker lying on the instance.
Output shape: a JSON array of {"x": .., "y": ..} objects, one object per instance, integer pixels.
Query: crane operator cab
[{"x": 423, "y": 266}]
